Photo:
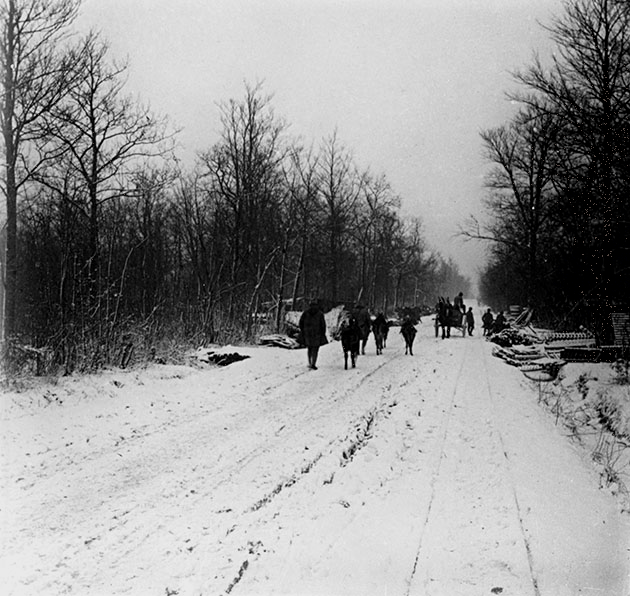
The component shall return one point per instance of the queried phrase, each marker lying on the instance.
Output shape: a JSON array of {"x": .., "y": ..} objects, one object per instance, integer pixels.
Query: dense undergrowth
[
  {"x": 592, "y": 402},
  {"x": 121, "y": 348}
]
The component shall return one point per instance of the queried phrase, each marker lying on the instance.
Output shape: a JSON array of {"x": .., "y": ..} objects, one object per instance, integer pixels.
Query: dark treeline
[
  {"x": 558, "y": 192},
  {"x": 112, "y": 246}
]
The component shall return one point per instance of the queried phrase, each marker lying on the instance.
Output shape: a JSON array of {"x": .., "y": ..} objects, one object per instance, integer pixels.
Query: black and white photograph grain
[{"x": 315, "y": 298}]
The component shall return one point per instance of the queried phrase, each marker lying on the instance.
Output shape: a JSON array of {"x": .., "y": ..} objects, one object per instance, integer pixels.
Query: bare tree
[
  {"x": 587, "y": 86},
  {"x": 244, "y": 171},
  {"x": 99, "y": 135},
  {"x": 373, "y": 231},
  {"x": 305, "y": 210},
  {"x": 413, "y": 266},
  {"x": 521, "y": 195},
  {"x": 297, "y": 217},
  {"x": 339, "y": 186},
  {"x": 35, "y": 78}
]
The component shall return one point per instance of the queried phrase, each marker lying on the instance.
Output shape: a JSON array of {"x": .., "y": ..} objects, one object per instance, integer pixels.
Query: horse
[
  {"x": 448, "y": 317},
  {"x": 362, "y": 315},
  {"x": 389, "y": 324},
  {"x": 350, "y": 341},
  {"x": 409, "y": 334},
  {"x": 380, "y": 328},
  {"x": 365, "y": 329},
  {"x": 443, "y": 318}
]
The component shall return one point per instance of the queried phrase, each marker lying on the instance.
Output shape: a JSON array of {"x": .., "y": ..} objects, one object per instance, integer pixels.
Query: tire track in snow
[
  {"x": 350, "y": 443},
  {"x": 508, "y": 473},
  {"x": 356, "y": 437},
  {"x": 101, "y": 529},
  {"x": 349, "y": 446},
  {"x": 117, "y": 526},
  {"x": 363, "y": 435},
  {"x": 395, "y": 405},
  {"x": 224, "y": 475},
  {"x": 128, "y": 438},
  {"x": 337, "y": 453},
  {"x": 234, "y": 523},
  {"x": 436, "y": 471},
  {"x": 473, "y": 539}
]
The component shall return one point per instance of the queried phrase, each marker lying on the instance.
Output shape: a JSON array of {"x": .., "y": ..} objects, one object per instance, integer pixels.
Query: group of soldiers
[
  {"x": 313, "y": 329},
  {"x": 454, "y": 314},
  {"x": 313, "y": 325},
  {"x": 492, "y": 325}
]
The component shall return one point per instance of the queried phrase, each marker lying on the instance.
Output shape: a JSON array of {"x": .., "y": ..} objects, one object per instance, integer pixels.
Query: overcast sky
[{"x": 408, "y": 84}]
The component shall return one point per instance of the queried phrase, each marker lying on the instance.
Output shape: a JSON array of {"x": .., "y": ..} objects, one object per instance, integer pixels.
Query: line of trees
[
  {"x": 559, "y": 188},
  {"x": 110, "y": 244}
]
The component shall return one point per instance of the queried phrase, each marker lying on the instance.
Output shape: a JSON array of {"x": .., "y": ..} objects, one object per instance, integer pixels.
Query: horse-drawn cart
[{"x": 447, "y": 320}]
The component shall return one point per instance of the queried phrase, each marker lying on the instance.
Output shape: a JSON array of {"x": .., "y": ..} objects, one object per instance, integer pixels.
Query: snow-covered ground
[{"x": 438, "y": 474}]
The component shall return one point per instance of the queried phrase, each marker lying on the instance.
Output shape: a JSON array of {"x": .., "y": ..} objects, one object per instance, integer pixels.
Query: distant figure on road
[
  {"x": 313, "y": 332},
  {"x": 444, "y": 314},
  {"x": 499, "y": 323},
  {"x": 448, "y": 314},
  {"x": 458, "y": 303},
  {"x": 408, "y": 331},
  {"x": 470, "y": 320},
  {"x": 380, "y": 327},
  {"x": 488, "y": 320},
  {"x": 362, "y": 315}
]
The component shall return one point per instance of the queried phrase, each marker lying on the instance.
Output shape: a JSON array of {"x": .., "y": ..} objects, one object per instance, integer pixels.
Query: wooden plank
[{"x": 621, "y": 328}]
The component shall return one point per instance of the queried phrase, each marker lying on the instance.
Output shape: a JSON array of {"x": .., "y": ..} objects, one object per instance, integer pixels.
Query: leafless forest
[{"x": 112, "y": 246}]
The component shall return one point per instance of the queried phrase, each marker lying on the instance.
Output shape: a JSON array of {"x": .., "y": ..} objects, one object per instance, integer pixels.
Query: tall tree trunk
[
  {"x": 8, "y": 108},
  {"x": 299, "y": 274},
  {"x": 254, "y": 296},
  {"x": 11, "y": 269},
  {"x": 283, "y": 269}
]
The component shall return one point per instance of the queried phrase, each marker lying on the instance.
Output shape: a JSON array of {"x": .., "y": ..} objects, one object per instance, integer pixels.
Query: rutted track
[
  {"x": 395, "y": 477},
  {"x": 508, "y": 473},
  {"x": 409, "y": 416},
  {"x": 459, "y": 508},
  {"x": 436, "y": 471},
  {"x": 298, "y": 423}
]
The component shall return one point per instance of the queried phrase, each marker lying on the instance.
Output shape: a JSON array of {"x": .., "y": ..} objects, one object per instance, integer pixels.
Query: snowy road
[{"x": 434, "y": 475}]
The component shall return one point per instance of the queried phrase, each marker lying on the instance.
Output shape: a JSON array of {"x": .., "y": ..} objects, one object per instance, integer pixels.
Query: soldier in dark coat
[
  {"x": 448, "y": 317},
  {"x": 499, "y": 323},
  {"x": 362, "y": 315},
  {"x": 488, "y": 320},
  {"x": 470, "y": 320},
  {"x": 458, "y": 303},
  {"x": 313, "y": 332},
  {"x": 408, "y": 331}
]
